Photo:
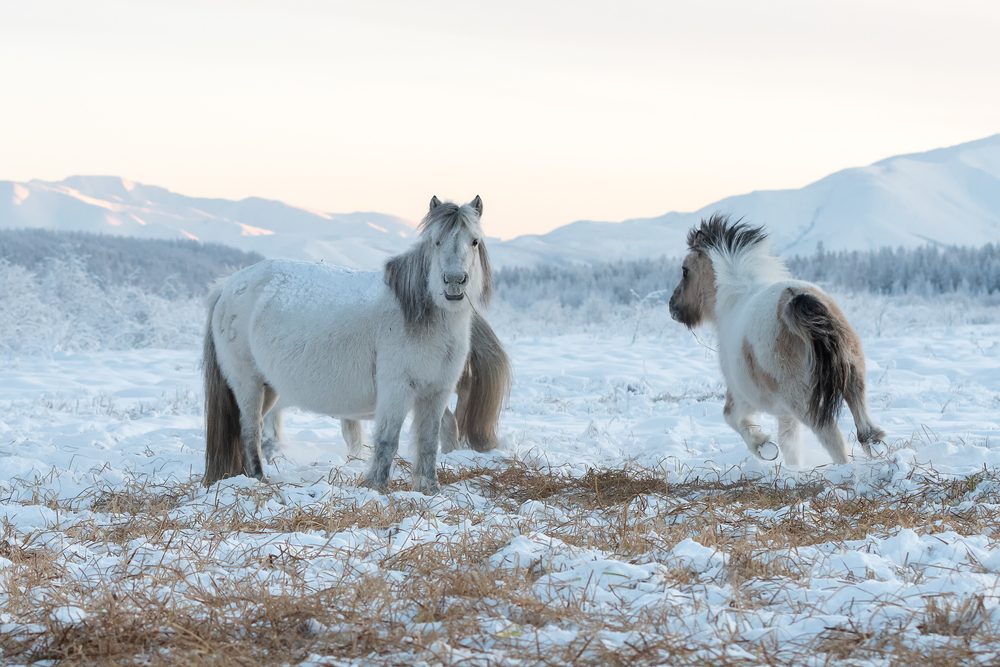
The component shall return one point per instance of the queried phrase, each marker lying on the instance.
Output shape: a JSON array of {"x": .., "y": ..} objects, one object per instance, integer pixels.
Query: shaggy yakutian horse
[
  {"x": 785, "y": 348},
  {"x": 351, "y": 344}
]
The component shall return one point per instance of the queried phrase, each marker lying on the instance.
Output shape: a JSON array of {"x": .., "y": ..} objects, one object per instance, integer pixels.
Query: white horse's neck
[
  {"x": 456, "y": 322},
  {"x": 742, "y": 273}
]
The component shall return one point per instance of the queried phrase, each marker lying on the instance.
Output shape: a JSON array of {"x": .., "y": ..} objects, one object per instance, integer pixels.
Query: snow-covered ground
[{"x": 729, "y": 559}]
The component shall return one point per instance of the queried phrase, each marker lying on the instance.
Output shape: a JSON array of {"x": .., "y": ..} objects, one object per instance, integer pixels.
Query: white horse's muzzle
[{"x": 454, "y": 285}]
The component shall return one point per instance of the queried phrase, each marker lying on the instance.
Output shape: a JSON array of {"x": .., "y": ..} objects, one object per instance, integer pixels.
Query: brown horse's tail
[
  {"x": 835, "y": 351},
  {"x": 483, "y": 388},
  {"x": 223, "y": 455}
]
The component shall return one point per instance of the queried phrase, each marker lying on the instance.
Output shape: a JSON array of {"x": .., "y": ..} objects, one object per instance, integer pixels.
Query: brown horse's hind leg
[
  {"x": 741, "y": 416},
  {"x": 833, "y": 441},
  {"x": 854, "y": 394},
  {"x": 790, "y": 439}
]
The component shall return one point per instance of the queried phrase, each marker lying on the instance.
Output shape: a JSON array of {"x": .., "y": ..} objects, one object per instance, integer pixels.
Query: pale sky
[{"x": 551, "y": 111}]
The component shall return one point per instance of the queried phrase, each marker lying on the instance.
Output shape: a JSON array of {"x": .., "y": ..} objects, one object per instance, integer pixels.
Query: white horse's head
[{"x": 449, "y": 268}]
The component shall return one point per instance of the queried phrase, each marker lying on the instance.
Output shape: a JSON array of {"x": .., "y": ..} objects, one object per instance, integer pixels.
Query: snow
[{"x": 73, "y": 425}]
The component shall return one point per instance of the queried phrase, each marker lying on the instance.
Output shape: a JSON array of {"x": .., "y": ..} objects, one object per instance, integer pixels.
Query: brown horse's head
[{"x": 693, "y": 302}]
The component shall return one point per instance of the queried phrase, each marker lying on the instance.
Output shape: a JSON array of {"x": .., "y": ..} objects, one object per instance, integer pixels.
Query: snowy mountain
[
  {"x": 948, "y": 196},
  {"x": 113, "y": 205}
]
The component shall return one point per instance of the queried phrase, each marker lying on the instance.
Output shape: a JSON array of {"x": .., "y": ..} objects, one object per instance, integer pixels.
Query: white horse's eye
[
  {"x": 685, "y": 272},
  {"x": 437, "y": 243},
  {"x": 475, "y": 242}
]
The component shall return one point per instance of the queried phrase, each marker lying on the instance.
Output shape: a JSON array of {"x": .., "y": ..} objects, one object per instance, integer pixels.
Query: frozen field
[{"x": 622, "y": 523}]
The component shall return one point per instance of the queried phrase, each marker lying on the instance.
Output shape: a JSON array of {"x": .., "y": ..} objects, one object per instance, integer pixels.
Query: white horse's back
[{"x": 308, "y": 330}]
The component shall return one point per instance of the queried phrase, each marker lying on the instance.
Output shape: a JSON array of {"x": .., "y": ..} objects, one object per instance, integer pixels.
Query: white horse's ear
[
  {"x": 435, "y": 202},
  {"x": 477, "y": 204}
]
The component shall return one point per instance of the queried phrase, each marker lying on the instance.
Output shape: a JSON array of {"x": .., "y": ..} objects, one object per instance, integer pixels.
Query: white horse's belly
[{"x": 330, "y": 371}]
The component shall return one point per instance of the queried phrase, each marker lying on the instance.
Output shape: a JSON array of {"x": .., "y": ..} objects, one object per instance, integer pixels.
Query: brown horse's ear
[
  {"x": 435, "y": 202},
  {"x": 477, "y": 204}
]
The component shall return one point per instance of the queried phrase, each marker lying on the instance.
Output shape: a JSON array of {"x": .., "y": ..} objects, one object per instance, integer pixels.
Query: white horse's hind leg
[
  {"x": 354, "y": 436},
  {"x": 272, "y": 432},
  {"x": 250, "y": 398},
  {"x": 427, "y": 414},
  {"x": 790, "y": 439},
  {"x": 449, "y": 432},
  {"x": 740, "y": 416}
]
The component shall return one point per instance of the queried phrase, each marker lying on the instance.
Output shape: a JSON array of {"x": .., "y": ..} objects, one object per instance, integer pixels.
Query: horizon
[{"x": 552, "y": 113}]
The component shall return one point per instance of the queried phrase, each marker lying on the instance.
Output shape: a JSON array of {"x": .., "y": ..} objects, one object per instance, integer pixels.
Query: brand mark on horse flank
[{"x": 791, "y": 348}]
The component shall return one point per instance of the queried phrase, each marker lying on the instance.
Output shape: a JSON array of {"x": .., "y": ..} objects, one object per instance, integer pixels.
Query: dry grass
[{"x": 166, "y": 574}]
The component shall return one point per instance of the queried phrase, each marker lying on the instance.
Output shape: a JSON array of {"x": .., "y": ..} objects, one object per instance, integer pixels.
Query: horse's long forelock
[{"x": 445, "y": 217}]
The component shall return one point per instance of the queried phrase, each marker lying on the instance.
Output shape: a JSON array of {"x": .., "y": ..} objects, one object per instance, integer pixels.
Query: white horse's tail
[
  {"x": 223, "y": 454},
  {"x": 483, "y": 388},
  {"x": 832, "y": 343}
]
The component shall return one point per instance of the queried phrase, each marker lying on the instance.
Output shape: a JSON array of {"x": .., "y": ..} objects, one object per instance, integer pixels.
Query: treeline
[
  {"x": 168, "y": 268},
  {"x": 926, "y": 271},
  {"x": 621, "y": 282}
]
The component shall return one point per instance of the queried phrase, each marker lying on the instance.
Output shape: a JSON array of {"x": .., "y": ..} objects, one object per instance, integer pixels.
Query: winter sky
[{"x": 552, "y": 111}]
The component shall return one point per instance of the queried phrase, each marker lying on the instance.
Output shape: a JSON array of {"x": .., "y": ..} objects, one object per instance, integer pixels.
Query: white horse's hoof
[
  {"x": 428, "y": 487},
  {"x": 768, "y": 451},
  {"x": 366, "y": 483}
]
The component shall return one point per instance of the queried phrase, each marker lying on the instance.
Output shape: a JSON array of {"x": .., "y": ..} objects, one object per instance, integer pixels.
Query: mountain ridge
[{"x": 945, "y": 196}]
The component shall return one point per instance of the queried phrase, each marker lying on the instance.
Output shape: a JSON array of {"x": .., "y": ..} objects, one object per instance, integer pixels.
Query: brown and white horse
[{"x": 785, "y": 348}]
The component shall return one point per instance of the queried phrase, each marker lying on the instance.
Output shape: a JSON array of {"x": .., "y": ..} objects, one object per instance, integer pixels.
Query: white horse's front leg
[
  {"x": 427, "y": 415},
  {"x": 389, "y": 415},
  {"x": 740, "y": 415}
]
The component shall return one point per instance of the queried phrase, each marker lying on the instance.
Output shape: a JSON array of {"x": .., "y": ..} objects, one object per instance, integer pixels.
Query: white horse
[
  {"x": 350, "y": 344},
  {"x": 785, "y": 348}
]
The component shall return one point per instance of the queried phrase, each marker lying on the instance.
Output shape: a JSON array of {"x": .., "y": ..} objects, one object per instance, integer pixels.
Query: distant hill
[
  {"x": 112, "y": 205},
  {"x": 944, "y": 197},
  {"x": 949, "y": 196},
  {"x": 168, "y": 268}
]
